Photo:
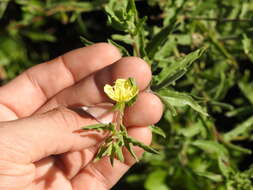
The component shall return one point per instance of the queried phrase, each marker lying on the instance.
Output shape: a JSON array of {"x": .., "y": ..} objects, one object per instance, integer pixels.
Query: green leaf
[
  {"x": 123, "y": 38},
  {"x": 221, "y": 87},
  {"x": 179, "y": 99},
  {"x": 122, "y": 49},
  {"x": 191, "y": 131},
  {"x": 247, "y": 90},
  {"x": 112, "y": 155},
  {"x": 85, "y": 41},
  {"x": 3, "y": 6},
  {"x": 101, "y": 152},
  {"x": 39, "y": 36},
  {"x": 212, "y": 35},
  {"x": 119, "y": 153},
  {"x": 130, "y": 148},
  {"x": 117, "y": 17},
  {"x": 179, "y": 68},
  {"x": 95, "y": 126},
  {"x": 211, "y": 147},
  {"x": 240, "y": 111},
  {"x": 157, "y": 130},
  {"x": 210, "y": 175},
  {"x": 225, "y": 166},
  {"x": 168, "y": 105},
  {"x": 241, "y": 129},
  {"x": 237, "y": 148},
  {"x": 156, "y": 180},
  {"x": 143, "y": 146},
  {"x": 132, "y": 7},
  {"x": 247, "y": 44},
  {"x": 161, "y": 37},
  {"x": 221, "y": 105}
]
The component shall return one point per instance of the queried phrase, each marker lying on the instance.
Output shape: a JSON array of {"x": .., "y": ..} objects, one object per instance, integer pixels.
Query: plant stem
[
  {"x": 119, "y": 116},
  {"x": 219, "y": 19}
]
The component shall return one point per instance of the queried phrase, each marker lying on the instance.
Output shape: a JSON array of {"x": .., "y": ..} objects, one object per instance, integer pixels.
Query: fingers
[
  {"x": 147, "y": 110},
  {"x": 30, "y": 139},
  {"x": 101, "y": 175},
  {"x": 73, "y": 162},
  {"x": 45, "y": 80},
  {"x": 33, "y": 138},
  {"x": 89, "y": 91}
]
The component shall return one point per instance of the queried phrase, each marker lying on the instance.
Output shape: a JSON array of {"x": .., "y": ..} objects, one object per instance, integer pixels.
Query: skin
[{"x": 39, "y": 148}]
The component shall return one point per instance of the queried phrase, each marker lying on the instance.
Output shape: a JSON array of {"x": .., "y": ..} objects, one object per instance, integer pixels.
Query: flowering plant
[{"x": 124, "y": 93}]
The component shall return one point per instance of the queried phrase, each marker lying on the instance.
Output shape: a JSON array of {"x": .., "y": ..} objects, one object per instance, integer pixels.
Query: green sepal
[
  {"x": 132, "y": 81},
  {"x": 123, "y": 129},
  {"x": 133, "y": 100},
  {"x": 119, "y": 106}
]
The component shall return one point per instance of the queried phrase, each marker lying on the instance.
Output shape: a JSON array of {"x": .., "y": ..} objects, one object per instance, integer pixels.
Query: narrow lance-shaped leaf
[
  {"x": 179, "y": 68},
  {"x": 112, "y": 154},
  {"x": 126, "y": 38},
  {"x": 168, "y": 105},
  {"x": 118, "y": 152},
  {"x": 209, "y": 175},
  {"x": 237, "y": 148},
  {"x": 239, "y": 130},
  {"x": 211, "y": 147},
  {"x": 157, "y": 130},
  {"x": 39, "y": 36},
  {"x": 240, "y": 111},
  {"x": 225, "y": 166},
  {"x": 247, "y": 90},
  {"x": 161, "y": 37},
  {"x": 143, "y": 146},
  {"x": 101, "y": 151},
  {"x": 179, "y": 99},
  {"x": 3, "y": 6},
  {"x": 95, "y": 127},
  {"x": 85, "y": 41},
  {"x": 122, "y": 49},
  {"x": 221, "y": 87},
  {"x": 247, "y": 43},
  {"x": 129, "y": 147}
]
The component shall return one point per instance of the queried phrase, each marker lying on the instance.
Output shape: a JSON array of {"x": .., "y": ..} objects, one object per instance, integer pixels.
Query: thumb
[{"x": 33, "y": 138}]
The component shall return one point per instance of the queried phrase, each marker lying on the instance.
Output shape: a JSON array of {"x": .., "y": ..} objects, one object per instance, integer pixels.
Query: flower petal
[
  {"x": 108, "y": 89},
  {"x": 123, "y": 90}
]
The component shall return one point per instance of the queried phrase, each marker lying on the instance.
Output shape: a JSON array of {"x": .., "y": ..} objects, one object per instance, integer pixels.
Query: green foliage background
[{"x": 201, "y": 56}]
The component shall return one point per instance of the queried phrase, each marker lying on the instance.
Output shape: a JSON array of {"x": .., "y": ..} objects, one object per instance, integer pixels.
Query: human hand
[{"x": 38, "y": 149}]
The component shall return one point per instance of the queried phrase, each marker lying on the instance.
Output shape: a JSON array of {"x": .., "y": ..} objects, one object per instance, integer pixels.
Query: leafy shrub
[{"x": 201, "y": 57}]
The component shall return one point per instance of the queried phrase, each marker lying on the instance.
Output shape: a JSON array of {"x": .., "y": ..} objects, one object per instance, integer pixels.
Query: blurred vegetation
[{"x": 201, "y": 55}]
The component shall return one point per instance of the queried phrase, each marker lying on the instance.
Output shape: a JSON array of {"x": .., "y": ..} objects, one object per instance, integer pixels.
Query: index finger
[{"x": 30, "y": 90}]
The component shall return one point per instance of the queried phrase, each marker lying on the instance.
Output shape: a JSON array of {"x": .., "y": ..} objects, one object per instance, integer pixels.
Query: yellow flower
[{"x": 123, "y": 90}]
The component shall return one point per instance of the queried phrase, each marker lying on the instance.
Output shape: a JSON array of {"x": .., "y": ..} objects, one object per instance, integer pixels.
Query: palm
[
  {"x": 66, "y": 81},
  {"x": 51, "y": 176}
]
